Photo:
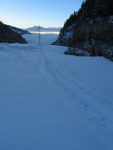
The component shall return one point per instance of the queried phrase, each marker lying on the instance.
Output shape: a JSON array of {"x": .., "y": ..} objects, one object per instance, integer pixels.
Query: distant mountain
[
  {"x": 91, "y": 28},
  {"x": 7, "y": 35},
  {"x": 18, "y": 30},
  {"x": 42, "y": 29}
]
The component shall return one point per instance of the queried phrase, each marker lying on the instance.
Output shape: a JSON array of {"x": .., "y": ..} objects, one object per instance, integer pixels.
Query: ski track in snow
[
  {"x": 77, "y": 91},
  {"x": 43, "y": 107},
  {"x": 86, "y": 100}
]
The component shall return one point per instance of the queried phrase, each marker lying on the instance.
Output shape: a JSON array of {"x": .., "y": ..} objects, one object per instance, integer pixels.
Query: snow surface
[
  {"x": 110, "y": 19},
  {"x": 68, "y": 35},
  {"x": 49, "y": 101}
]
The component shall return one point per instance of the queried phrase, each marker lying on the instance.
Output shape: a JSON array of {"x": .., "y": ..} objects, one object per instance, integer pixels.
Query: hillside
[
  {"x": 91, "y": 28},
  {"x": 18, "y": 30},
  {"x": 7, "y": 35}
]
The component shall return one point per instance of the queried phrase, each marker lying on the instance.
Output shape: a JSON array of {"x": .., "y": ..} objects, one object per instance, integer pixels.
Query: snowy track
[{"x": 48, "y": 103}]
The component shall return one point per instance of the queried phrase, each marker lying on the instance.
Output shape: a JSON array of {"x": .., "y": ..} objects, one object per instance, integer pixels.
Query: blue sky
[{"x": 27, "y": 13}]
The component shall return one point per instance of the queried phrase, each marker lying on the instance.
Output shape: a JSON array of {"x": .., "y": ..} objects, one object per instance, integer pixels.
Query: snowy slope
[
  {"x": 18, "y": 30},
  {"x": 49, "y": 101}
]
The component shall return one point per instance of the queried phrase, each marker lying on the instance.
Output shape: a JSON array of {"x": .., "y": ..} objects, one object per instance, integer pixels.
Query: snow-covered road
[{"x": 49, "y": 101}]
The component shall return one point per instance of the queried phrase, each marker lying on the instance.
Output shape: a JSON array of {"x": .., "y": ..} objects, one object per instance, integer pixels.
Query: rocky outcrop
[{"x": 91, "y": 28}]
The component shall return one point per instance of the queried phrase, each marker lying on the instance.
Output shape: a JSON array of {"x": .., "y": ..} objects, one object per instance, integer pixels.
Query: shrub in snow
[
  {"x": 76, "y": 52},
  {"x": 109, "y": 53}
]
